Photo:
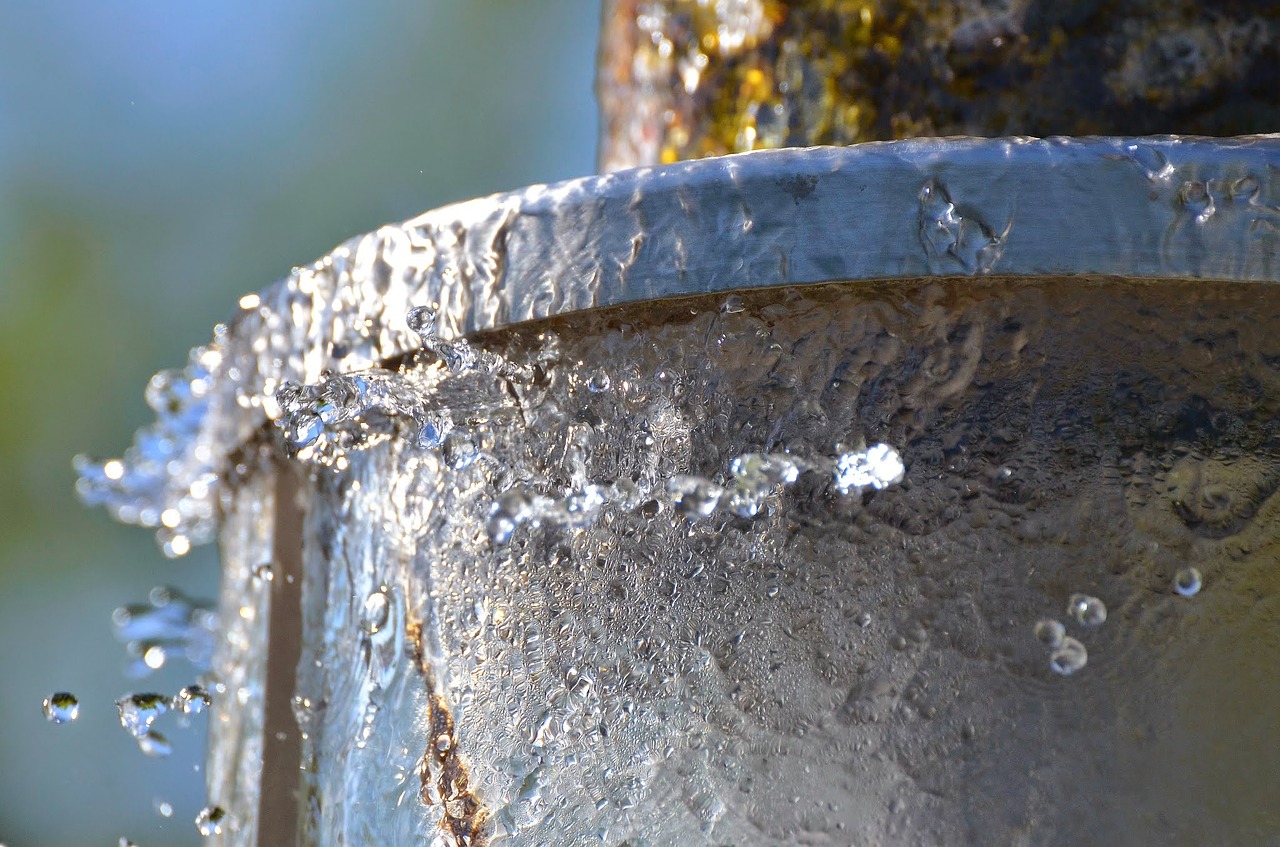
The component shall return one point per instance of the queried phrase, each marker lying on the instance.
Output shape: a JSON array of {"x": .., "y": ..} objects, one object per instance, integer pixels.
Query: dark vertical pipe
[{"x": 281, "y": 749}]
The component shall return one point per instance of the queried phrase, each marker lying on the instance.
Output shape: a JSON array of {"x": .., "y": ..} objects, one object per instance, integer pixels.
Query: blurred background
[{"x": 158, "y": 160}]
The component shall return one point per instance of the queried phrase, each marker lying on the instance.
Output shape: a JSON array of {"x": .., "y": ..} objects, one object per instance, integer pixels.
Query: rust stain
[{"x": 444, "y": 768}]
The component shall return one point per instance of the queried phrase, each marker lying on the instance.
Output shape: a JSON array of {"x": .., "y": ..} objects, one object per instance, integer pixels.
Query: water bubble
[
  {"x": 458, "y": 450},
  {"x": 155, "y": 745},
  {"x": 377, "y": 610},
  {"x": 1088, "y": 610},
  {"x": 139, "y": 711},
  {"x": 211, "y": 820},
  {"x": 878, "y": 467},
  {"x": 599, "y": 382},
  {"x": 264, "y": 573},
  {"x": 422, "y": 320},
  {"x": 61, "y": 707},
  {"x": 443, "y": 742},
  {"x": 1050, "y": 633},
  {"x": 1068, "y": 657},
  {"x": 163, "y": 807},
  {"x": 1187, "y": 582},
  {"x": 191, "y": 700}
]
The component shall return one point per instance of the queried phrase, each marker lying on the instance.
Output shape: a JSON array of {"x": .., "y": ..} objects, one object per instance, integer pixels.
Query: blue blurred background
[{"x": 158, "y": 160}]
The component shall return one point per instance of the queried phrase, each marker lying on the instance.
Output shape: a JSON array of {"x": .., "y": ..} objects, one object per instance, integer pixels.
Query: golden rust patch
[{"x": 445, "y": 776}]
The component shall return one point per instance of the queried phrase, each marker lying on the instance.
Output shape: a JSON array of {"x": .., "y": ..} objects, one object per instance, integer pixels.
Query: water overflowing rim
[{"x": 1156, "y": 208}]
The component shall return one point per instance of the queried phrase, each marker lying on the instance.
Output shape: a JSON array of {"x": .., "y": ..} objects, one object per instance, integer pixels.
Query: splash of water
[
  {"x": 164, "y": 480},
  {"x": 753, "y": 477},
  {"x": 322, "y": 423},
  {"x": 168, "y": 624}
]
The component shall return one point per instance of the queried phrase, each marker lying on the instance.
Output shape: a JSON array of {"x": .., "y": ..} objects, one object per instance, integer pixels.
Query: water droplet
[
  {"x": 422, "y": 320},
  {"x": 156, "y": 745},
  {"x": 1087, "y": 610},
  {"x": 163, "y": 807},
  {"x": 949, "y": 238},
  {"x": 61, "y": 707},
  {"x": 264, "y": 573},
  {"x": 1050, "y": 633},
  {"x": 124, "y": 842},
  {"x": 211, "y": 821},
  {"x": 878, "y": 467},
  {"x": 443, "y": 742},
  {"x": 693, "y": 496},
  {"x": 1196, "y": 198},
  {"x": 303, "y": 429},
  {"x": 154, "y": 657},
  {"x": 377, "y": 609},
  {"x": 1187, "y": 582},
  {"x": 1068, "y": 657},
  {"x": 139, "y": 711},
  {"x": 191, "y": 700},
  {"x": 458, "y": 450}
]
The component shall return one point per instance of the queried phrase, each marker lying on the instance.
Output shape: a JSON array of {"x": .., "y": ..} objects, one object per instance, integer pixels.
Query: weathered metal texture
[
  {"x": 924, "y": 370},
  {"x": 684, "y": 79},
  {"x": 838, "y": 669}
]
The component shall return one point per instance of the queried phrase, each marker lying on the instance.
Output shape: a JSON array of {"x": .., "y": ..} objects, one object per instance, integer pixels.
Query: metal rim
[{"x": 1157, "y": 208}]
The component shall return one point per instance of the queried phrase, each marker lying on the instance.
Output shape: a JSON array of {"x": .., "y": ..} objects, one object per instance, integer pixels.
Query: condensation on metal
[{"x": 1169, "y": 208}]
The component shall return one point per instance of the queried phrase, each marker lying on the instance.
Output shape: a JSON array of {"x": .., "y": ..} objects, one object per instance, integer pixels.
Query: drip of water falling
[
  {"x": 61, "y": 707},
  {"x": 211, "y": 821},
  {"x": 139, "y": 711},
  {"x": 191, "y": 700}
]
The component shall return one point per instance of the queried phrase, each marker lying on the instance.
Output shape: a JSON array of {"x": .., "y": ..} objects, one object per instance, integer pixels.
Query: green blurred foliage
[{"x": 156, "y": 162}]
